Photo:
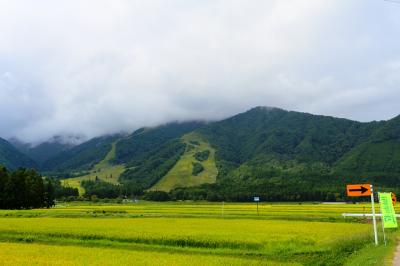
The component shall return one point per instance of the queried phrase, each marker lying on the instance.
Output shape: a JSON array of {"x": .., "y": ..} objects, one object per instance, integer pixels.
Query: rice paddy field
[{"x": 145, "y": 233}]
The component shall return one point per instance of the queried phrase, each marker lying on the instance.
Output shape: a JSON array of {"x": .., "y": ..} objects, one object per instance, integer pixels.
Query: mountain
[
  {"x": 11, "y": 158},
  {"x": 138, "y": 144},
  {"x": 43, "y": 151},
  {"x": 142, "y": 157},
  {"x": 272, "y": 134},
  {"x": 146, "y": 140},
  {"x": 150, "y": 153},
  {"x": 81, "y": 157},
  {"x": 378, "y": 155},
  {"x": 278, "y": 154},
  {"x": 282, "y": 155}
]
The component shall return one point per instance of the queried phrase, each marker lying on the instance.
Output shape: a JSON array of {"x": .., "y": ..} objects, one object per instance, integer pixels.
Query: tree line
[{"x": 25, "y": 189}]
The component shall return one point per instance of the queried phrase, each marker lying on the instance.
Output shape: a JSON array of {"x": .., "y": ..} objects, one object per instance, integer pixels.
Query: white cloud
[{"x": 95, "y": 67}]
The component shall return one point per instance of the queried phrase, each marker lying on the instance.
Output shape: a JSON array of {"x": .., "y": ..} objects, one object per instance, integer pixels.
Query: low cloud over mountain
[{"x": 96, "y": 67}]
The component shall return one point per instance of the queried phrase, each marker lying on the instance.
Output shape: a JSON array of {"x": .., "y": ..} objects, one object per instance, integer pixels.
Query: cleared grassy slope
[
  {"x": 181, "y": 175},
  {"x": 104, "y": 170}
]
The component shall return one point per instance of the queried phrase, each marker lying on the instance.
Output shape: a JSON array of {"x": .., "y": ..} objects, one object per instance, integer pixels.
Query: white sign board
[{"x": 256, "y": 198}]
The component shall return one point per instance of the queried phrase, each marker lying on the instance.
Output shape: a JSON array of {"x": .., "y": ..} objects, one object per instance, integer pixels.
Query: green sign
[{"x": 387, "y": 210}]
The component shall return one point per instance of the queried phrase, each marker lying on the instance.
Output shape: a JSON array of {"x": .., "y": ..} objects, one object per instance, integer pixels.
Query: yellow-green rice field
[{"x": 185, "y": 233}]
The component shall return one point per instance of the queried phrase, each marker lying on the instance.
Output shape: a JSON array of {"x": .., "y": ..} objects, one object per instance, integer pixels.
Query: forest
[{"x": 25, "y": 189}]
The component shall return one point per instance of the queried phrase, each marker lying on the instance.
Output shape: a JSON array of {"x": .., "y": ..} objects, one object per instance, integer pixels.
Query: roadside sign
[
  {"x": 257, "y": 199},
  {"x": 358, "y": 190},
  {"x": 394, "y": 199},
  {"x": 361, "y": 190},
  {"x": 388, "y": 215}
]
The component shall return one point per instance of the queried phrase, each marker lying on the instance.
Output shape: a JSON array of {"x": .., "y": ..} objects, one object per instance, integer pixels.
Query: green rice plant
[
  {"x": 41, "y": 254},
  {"x": 291, "y": 211},
  {"x": 179, "y": 233},
  {"x": 260, "y": 236}
]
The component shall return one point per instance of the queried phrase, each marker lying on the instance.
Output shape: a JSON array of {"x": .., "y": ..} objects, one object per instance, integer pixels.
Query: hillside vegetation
[
  {"x": 104, "y": 171},
  {"x": 147, "y": 140},
  {"x": 182, "y": 175},
  {"x": 284, "y": 155},
  {"x": 11, "y": 158},
  {"x": 278, "y": 154},
  {"x": 43, "y": 151},
  {"x": 152, "y": 153},
  {"x": 82, "y": 157},
  {"x": 149, "y": 168}
]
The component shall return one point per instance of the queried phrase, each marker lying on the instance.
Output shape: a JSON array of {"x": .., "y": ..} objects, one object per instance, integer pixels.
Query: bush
[
  {"x": 157, "y": 196},
  {"x": 101, "y": 189},
  {"x": 197, "y": 168},
  {"x": 202, "y": 155}
]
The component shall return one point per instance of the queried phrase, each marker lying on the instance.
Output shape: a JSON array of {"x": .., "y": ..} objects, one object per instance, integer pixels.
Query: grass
[
  {"x": 104, "y": 170},
  {"x": 181, "y": 175},
  {"x": 372, "y": 255},
  {"x": 185, "y": 233}
]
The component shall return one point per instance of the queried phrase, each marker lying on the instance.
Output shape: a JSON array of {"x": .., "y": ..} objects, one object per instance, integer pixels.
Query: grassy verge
[{"x": 372, "y": 255}]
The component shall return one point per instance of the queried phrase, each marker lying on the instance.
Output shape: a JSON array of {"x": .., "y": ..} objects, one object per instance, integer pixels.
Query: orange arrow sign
[{"x": 358, "y": 190}]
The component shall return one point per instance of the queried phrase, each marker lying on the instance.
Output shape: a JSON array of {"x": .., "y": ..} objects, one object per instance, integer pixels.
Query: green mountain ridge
[
  {"x": 11, "y": 158},
  {"x": 43, "y": 151},
  {"x": 263, "y": 149},
  {"x": 81, "y": 157},
  {"x": 380, "y": 154},
  {"x": 285, "y": 136},
  {"x": 145, "y": 140}
]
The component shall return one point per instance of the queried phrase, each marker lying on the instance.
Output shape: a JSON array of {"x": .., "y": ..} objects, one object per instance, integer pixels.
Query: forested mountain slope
[
  {"x": 291, "y": 155},
  {"x": 145, "y": 156},
  {"x": 271, "y": 133},
  {"x": 145, "y": 140},
  {"x": 81, "y": 157},
  {"x": 286, "y": 155},
  {"x": 11, "y": 158},
  {"x": 378, "y": 156},
  {"x": 43, "y": 151}
]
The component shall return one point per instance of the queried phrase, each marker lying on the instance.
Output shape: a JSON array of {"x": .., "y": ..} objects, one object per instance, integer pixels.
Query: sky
[{"x": 94, "y": 67}]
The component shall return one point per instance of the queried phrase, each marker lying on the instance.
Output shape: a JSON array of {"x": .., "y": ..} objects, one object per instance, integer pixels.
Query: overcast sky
[{"x": 88, "y": 68}]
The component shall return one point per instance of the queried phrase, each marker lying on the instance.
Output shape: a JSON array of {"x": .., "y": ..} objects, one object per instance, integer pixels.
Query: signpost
[
  {"x": 362, "y": 190},
  {"x": 359, "y": 190},
  {"x": 257, "y": 199}
]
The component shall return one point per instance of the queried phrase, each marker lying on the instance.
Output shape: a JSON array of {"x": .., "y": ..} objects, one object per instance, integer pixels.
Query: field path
[{"x": 396, "y": 259}]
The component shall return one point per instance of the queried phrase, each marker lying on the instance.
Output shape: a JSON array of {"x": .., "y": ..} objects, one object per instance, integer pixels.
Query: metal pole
[
  {"x": 373, "y": 215},
  {"x": 257, "y": 208},
  {"x": 222, "y": 209}
]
